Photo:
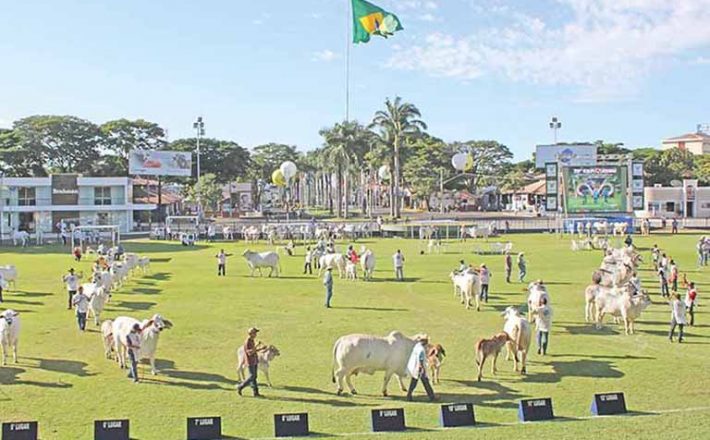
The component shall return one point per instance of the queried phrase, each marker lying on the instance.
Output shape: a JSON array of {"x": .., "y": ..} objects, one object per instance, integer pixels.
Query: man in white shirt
[
  {"x": 72, "y": 282},
  {"x": 81, "y": 302},
  {"x": 485, "y": 275},
  {"x": 398, "y": 260},
  {"x": 222, "y": 262},
  {"x": 677, "y": 317},
  {"x": 308, "y": 262},
  {"x": 543, "y": 323},
  {"x": 417, "y": 368}
]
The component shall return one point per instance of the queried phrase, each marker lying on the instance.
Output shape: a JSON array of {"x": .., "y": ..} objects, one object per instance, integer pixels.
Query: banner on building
[
  {"x": 566, "y": 155},
  {"x": 65, "y": 189},
  {"x": 596, "y": 189},
  {"x": 160, "y": 163},
  {"x": 551, "y": 187},
  {"x": 637, "y": 186}
]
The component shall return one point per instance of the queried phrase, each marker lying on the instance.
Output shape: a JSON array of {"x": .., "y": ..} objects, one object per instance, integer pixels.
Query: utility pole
[{"x": 199, "y": 127}]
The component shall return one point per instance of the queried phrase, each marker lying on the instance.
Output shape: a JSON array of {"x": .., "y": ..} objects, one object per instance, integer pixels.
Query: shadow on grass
[
  {"x": 8, "y": 376},
  {"x": 9, "y": 299},
  {"x": 30, "y": 294},
  {"x": 373, "y": 309},
  {"x": 589, "y": 329},
  {"x": 501, "y": 396},
  {"x": 147, "y": 291},
  {"x": 580, "y": 368},
  {"x": 76, "y": 368},
  {"x": 603, "y": 356},
  {"x": 132, "y": 305},
  {"x": 160, "y": 276},
  {"x": 338, "y": 403}
]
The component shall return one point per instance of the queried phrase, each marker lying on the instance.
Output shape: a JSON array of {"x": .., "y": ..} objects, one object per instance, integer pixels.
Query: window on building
[
  {"x": 26, "y": 196},
  {"x": 670, "y": 206},
  {"x": 653, "y": 207},
  {"x": 102, "y": 195}
]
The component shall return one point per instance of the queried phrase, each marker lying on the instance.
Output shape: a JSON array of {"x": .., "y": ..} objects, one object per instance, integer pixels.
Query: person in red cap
[{"x": 251, "y": 349}]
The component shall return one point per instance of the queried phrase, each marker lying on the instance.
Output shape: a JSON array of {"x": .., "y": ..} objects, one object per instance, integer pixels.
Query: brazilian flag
[{"x": 369, "y": 19}]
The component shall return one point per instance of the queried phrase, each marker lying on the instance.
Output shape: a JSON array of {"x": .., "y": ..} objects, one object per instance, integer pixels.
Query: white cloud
[
  {"x": 428, "y": 17},
  {"x": 257, "y": 22},
  {"x": 604, "y": 49},
  {"x": 5, "y": 123},
  {"x": 701, "y": 60},
  {"x": 417, "y": 5},
  {"x": 325, "y": 55}
]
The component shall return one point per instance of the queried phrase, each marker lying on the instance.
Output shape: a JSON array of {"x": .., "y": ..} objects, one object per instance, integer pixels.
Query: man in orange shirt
[{"x": 251, "y": 349}]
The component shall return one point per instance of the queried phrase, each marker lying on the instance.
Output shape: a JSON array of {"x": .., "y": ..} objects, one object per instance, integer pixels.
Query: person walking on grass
[
  {"x": 133, "y": 343},
  {"x": 655, "y": 256},
  {"x": 485, "y": 276},
  {"x": 690, "y": 301},
  {"x": 677, "y": 317},
  {"x": 81, "y": 302},
  {"x": 398, "y": 261},
  {"x": 673, "y": 275},
  {"x": 417, "y": 367},
  {"x": 308, "y": 262},
  {"x": 663, "y": 282},
  {"x": 522, "y": 267},
  {"x": 543, "y": 323},
  {"x": 251, "y": 351},
  {"x": 71, "y": 280},
  {"x": 508, "y": 266},
  {"x": 328, "y": 283},
  {"x": 222, "y": 263}
]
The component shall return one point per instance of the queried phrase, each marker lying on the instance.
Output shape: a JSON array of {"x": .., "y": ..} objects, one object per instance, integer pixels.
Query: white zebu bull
[
  {"x": 620, "y": 304},
  {"x": 143, "y": 264},
  {"x": 107, "y": 337},
  {"x": 518, "y": 329},
  {"x": 9, "y": 333},
  {"x": 23, "y": 237},
  {"x": 150, "y": 335},
  {"x": 9, "y": 274},
  {"x": 227, "y": 233},
  {"x": 119, "y": 274},
  {"x": 354, "y": 354},
  {"x": 98, "y": 297},
  {"x": 367, "y": 262},
  {"x": 336, "y": 261},
  {"x": 258, "y": 260},
  {"x": 537, "y": 291},
  {"x": 467, "y": 285}
]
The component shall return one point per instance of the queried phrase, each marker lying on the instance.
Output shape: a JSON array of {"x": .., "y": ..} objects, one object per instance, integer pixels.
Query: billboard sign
[
  {"x": 65, "y": 189},
  {"x": 568, "y": 155},
  {"x": 160, "y": 163},
  {"x": 596, "y": 189}
]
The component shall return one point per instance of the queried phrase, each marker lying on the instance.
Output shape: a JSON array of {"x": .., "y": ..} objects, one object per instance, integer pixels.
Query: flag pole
[{"x": 348, "y": 26}]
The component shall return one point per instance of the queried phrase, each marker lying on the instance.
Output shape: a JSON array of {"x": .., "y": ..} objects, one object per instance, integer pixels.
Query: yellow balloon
[
  {"x": 469, "y": 163},
  {"x": 277, "y": 177}
]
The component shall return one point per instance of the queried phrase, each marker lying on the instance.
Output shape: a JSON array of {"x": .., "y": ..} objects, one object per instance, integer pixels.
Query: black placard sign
[
  {"x": 111, "y": 430},
  {"x": 19, "y": 431},
  {"x": 388, "y": 420},
  {"x": 532, "y": 410},
  {"x": 455, "y": 415},
  {"x": 204, "y": 428},
  {"x": 291, "y": 425},
  {"x": 608, "y": 404}
]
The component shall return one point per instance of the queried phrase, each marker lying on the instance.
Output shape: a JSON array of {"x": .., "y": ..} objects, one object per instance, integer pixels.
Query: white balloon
[
  {"x": 288, "y": 169},
  {"x": 459, "y": 161},
  {"x": 384, "y": 172}
]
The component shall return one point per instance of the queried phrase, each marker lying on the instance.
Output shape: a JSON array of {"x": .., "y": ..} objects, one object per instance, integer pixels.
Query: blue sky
[{"x": 632, "y": 71}]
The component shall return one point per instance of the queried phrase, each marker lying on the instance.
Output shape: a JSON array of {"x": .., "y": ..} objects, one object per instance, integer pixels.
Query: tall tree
[
  {"x": 269, "y": 157},
  {"x": 226, "y": 160},
  {"x": 122, "y": 135},
  {"x": 345, "y": 145},
  {"x": 488, "y": 160},
  {"x": 395, "y": 123},
  {"x": 429, "y": 163},
  {"x": 207, "y": 191}
]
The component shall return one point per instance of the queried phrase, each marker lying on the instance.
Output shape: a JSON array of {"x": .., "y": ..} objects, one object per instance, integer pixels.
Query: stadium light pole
[
  {"x": 555, "y": 124},
  {"x": 199, "y": 127}
]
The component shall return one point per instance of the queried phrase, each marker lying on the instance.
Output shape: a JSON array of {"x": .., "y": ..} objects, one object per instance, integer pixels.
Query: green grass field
[{"x": 64, "y": 382}]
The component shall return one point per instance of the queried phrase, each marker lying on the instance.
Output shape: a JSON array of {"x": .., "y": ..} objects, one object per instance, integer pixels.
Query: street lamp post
[{"x": 555, "y": 124}]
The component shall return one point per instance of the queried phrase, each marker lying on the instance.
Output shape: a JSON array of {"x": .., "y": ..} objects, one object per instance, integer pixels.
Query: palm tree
[
  {"x": 395, "y": 123},
  {"x": 345, "y": 146}
]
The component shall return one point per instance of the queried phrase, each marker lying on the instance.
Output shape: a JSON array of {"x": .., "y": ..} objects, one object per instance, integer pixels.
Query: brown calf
[{"x": 489, "y": 347}]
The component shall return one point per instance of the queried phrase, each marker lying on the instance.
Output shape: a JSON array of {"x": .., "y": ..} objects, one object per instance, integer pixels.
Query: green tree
[
  {"x": 226, "y": 160},
  {"x": 122, "y": 135},
  {"x": 429, "y": 161},
  {"x": 345, "y": 146},
  {"x": 489, "y": 159},
  {"x": 269, "y": 157},
  {"x": 398, "y": 121},
  {"x": 206, "y": 191}
]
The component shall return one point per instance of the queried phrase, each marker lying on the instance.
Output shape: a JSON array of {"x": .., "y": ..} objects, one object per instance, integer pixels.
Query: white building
[
  {"x": 32, "y": 203},
  {"x": 688, "y": 200},
  {"x": 696, "y": 143}
]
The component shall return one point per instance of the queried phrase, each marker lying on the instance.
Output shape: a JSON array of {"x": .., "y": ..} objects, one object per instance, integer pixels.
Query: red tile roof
[{"x": 688, "y": 137}]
